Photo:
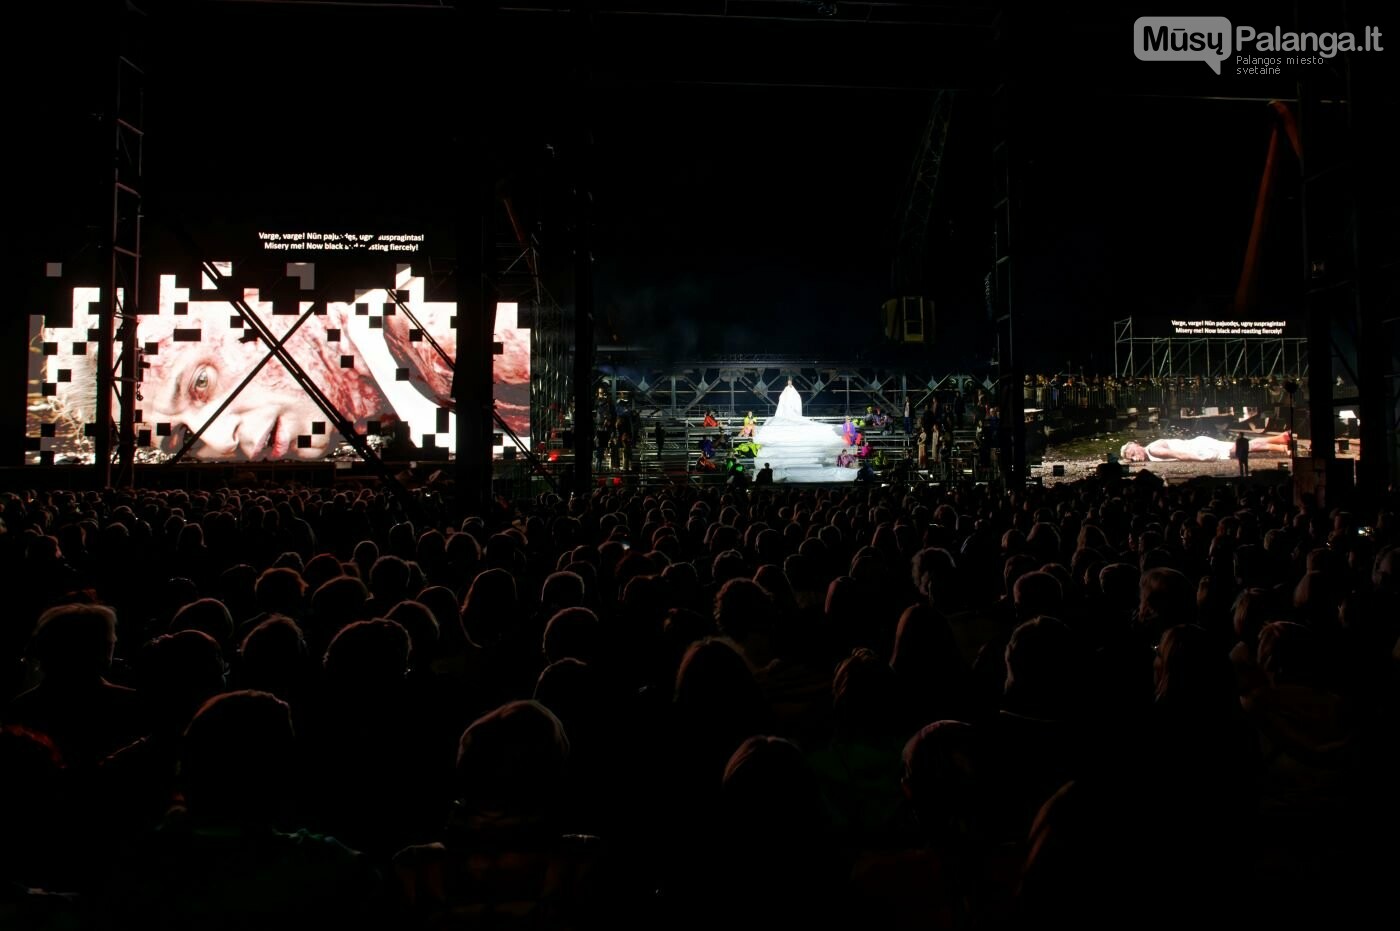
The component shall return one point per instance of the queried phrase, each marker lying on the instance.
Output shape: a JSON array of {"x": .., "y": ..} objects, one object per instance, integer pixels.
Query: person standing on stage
[
  {"x": 1242, "y": 453},
  {"x": 908, "y": 417},
  {"x": 923, "y": 450}
]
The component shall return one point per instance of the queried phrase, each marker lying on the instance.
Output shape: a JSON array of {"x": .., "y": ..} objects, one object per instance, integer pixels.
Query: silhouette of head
[
  {"x": 940, "y": 778},
  {"x": 236, "y": 758},
  {"x": 207, "y": 615},
  {"x": 368, "y": 656},
  {"x": 74, "y": 641},
  {"x": 178, "y": 672},
  {"x": 422, "y": 626},
  {"x": 512, "y": 761},
  {"x": 572, "y": 633}
]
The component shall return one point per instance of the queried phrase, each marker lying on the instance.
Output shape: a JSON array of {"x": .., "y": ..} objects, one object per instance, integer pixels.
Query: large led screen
[{"x": 379, "y": 349}]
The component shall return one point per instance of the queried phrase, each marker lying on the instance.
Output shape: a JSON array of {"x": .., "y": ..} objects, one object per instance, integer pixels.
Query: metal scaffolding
[
  {"x": 1206, "y": 356},
  {"x": 118, "y": 361},
  {"x": 736, "y": 384},
  {"x": 551, "y": 335}
]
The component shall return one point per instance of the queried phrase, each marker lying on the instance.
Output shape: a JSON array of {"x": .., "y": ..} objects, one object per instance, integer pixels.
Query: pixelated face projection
[{"x": 381, "y": 357}]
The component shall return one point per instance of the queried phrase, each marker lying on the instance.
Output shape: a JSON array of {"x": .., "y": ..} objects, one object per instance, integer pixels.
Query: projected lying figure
[
  {"x": 367, "y": 357},
  {"x": 1200, "y": 449}
]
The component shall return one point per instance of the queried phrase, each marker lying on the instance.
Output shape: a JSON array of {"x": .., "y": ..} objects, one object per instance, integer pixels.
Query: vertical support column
[
  {"x": 1348, "y": 359},
  {"x": 103, "y": 424},
  {"x": 1323, "y": 283},
  {"x": 1010, "y": 391},
  {"x": 584, "y": 395},
  {"x": 904, "y": 391},
  {"x": 126, "y": 241},
  {"x": 476, "y": 306},
  {"x": 1378, "y": 340},
  {"x": 118, "y": 368}
]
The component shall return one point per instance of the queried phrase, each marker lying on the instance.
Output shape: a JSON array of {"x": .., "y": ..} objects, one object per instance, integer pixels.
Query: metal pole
[
  {"x": 102, "y": 418},
  {"x": 584, "y": 347},
  {"x": 472, "y": 388}
]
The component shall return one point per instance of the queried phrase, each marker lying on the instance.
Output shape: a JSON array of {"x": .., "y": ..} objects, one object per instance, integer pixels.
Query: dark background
[{"x": 730, "y": 217}]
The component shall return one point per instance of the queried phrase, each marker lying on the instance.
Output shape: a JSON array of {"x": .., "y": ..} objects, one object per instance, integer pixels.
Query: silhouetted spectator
[
  {"x": 503, "y": 859},
  {"x": 274, "y": 658},
  {"x": 35, "y": 856},
  {"x": 208, "y": 616},
  {"x": 177, "y": 673},
  {"x": 86, "y": 716},
  {"x": 572, "y": 633},
  {"x": 227, "y": 864},
  {"x": 369, "y": 738}
]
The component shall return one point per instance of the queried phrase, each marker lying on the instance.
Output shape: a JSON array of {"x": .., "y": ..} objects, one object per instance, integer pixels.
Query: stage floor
[{"x": 1081, "y": 457}]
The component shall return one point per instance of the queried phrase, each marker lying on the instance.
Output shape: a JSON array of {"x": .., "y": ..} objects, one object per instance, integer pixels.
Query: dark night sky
[{"x": 729, "y": 218}]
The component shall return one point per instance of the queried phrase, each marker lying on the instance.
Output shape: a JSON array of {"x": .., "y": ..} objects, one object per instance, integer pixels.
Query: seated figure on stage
[
  {"x": 749, "y": 426},
  {"x": 710, "y": 420},
  {"x": 1201, "y": 449}
]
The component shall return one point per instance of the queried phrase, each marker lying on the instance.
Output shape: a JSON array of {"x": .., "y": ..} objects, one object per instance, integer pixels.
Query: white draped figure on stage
[
  {"x": 800, "y": 449},
  {"x": 789, "y": 404}
]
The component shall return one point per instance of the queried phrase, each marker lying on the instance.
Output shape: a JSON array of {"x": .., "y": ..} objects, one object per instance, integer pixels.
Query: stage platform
[{"x": 1079, "y": 459}]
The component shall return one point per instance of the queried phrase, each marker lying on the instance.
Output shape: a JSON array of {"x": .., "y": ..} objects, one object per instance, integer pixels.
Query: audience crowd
[{"x": 1114, "y": 703}]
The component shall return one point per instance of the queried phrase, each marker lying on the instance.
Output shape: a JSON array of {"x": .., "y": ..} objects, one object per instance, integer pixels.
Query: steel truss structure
[
  {"x": 737, "y": 384},
  {"x": 551, "y": 335},
  {"x": 1206, "y": 356},
  {"x": 118, "y": 361}
]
